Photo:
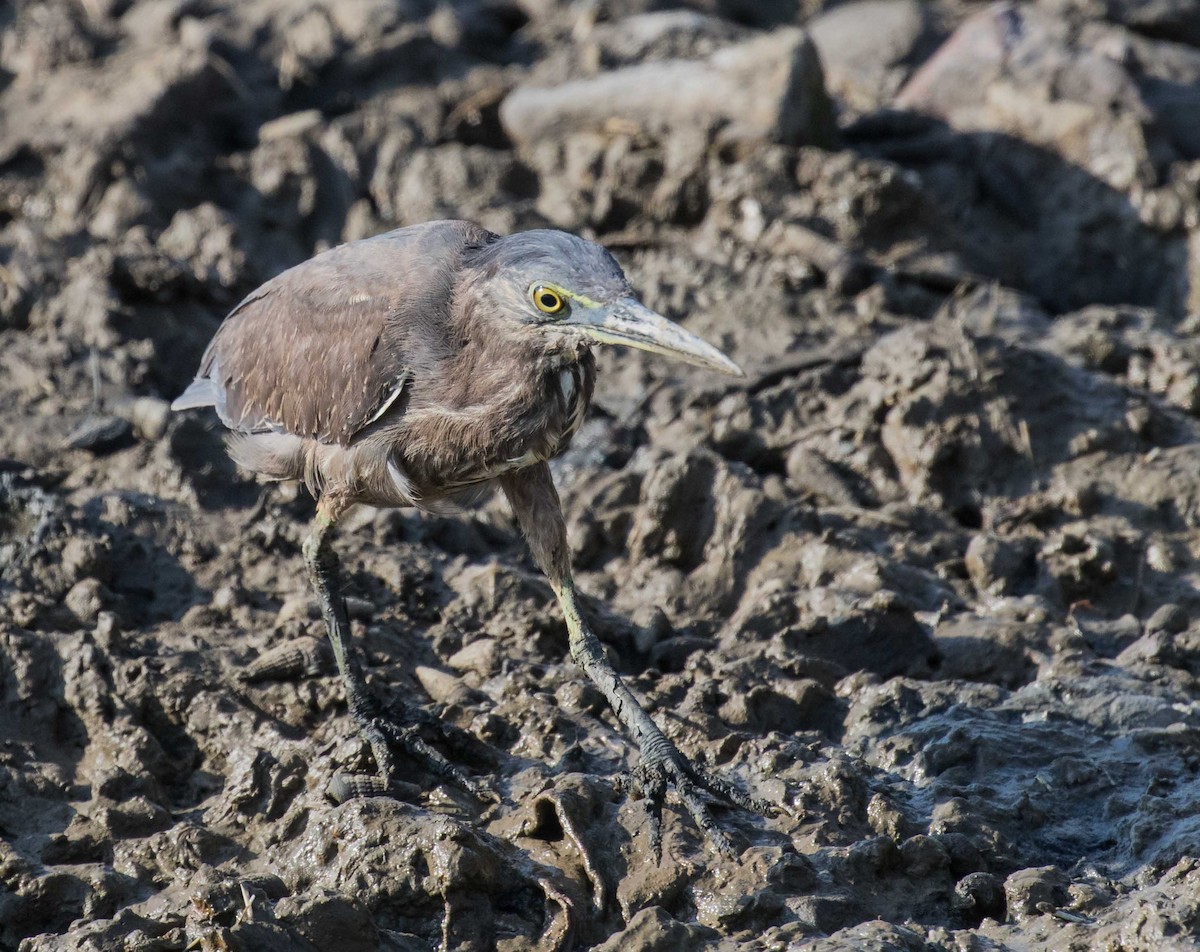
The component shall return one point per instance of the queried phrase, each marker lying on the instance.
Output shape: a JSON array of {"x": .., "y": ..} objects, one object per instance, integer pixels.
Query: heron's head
[{"x": 558, "y": 283}]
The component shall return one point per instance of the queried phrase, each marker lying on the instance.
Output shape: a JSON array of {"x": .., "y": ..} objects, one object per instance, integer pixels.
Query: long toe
[
  {"x": 721, "y": 788},
  {"x": 386, "y": 732},
  {"x": 663, "y": 767},
  {"x": 408, "y": 739}
]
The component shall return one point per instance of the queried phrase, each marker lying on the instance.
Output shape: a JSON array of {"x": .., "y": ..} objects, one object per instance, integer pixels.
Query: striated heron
[{"x": 422, "y": 367}]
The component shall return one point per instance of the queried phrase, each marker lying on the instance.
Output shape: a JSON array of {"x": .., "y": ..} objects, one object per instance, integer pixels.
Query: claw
[
  {"x": 652, "y": 786},
  {"x": 654, "y": 810},
  {"x": 383, "y": 734},
  {"x": 662, "y": 766},
  {"x": 704, "y": 819},
  {"x": 415, "y": 746},
  {"x": 731, "y": 793}
]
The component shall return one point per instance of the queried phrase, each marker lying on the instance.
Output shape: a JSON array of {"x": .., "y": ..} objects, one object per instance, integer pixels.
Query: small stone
[
  {"x": 149, "y": 416},
  {"x": 86, "y": 599},
  {"x": 653, "y": 626},
  {"x": 865, "y": 47},
  {"x": 766, "y": 89},
  {"x": 578, "y": 697},
  {"x": 225, "y": 598},
  {"x": 108, "y": 631},
  {"x": 1170, "y": 619},
  {"x": 445, "y": 688},
  {"x": 923, "y": 856},
  {"x": 479, "y": 659},
  {"x": 1030, "y": 892},
  {"x": 1154, "y": 647},
  {"x": 995, "y": 565},
  {"x": 83, "y": 556},
  {"x": 295, "y": 608},
  {"x": 980, "y": 896}
]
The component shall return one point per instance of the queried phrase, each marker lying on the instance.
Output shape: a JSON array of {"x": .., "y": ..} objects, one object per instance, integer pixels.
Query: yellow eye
[{"x": 547, "y": 300}]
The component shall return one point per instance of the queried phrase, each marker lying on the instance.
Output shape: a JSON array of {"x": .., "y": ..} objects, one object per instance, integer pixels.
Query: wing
[{"x": 326, "y": 348}]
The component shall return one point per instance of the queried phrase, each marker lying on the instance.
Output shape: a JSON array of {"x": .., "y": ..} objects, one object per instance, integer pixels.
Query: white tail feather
[{"x": 200, "y": 393}]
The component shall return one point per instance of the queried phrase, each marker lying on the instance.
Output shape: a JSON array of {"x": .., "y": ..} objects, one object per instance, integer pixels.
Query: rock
[
  {"x": 1174, "y": 20},
  {"x": 1013, "y": 69},
  {"x": 1155, "y": 647},
  {"x": 923, "y": 856},
  {"x": 869, "y": 47},
  {"x": 998, "y": 566},
  {"x": 979, "y": 896},
  {"x": 479, "y": 659},
  {"x": 445, "y": 688},
  {"x": 86, "y": 599},
  {"x": 1170, "y": 619},
  {"x": 1035, "y": 892},
  {"x": 149, "y": 416},
  {"x": 768, "y": 89}
]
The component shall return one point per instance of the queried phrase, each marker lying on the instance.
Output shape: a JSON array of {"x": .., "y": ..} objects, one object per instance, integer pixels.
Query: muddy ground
[{"x": 925, "y": 577}]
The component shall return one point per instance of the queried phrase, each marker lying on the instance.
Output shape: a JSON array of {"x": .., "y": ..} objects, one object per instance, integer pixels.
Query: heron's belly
[{"x": 558, "y": 419}]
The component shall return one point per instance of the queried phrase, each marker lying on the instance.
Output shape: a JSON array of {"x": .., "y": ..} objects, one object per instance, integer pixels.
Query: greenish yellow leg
[{"x": 380, "y": 731}]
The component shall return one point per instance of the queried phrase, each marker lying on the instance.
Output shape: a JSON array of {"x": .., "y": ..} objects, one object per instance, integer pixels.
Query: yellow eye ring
[{"x": 546, "y": 299}]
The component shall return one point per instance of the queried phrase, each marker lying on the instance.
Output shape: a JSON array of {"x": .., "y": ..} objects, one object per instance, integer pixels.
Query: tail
[{"x": 201, "y": 393}]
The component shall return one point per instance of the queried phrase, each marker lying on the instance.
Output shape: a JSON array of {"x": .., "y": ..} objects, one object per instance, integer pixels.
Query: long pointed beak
[{"x": 631, "y": 323}]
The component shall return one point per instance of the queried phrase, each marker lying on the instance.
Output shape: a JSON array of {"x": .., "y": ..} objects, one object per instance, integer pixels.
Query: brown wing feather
[{"x": 320, "y": 350}]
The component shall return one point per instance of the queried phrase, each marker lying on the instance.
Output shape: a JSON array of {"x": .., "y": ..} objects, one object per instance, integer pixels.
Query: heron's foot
[
  {"x": 662, "y": 766},
  {"x": 386, "y": 733}
]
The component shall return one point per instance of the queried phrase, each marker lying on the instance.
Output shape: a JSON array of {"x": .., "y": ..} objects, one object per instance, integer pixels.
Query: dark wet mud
[{"x": 926, "y": 577}]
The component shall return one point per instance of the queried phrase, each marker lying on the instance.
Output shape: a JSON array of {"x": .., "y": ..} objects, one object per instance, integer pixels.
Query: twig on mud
[
  {"x": 857, "y": 512},
  {"x": 1073, "y": 917}
]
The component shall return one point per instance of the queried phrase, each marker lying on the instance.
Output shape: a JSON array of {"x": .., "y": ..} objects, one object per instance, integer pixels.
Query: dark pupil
[{"x": 549, "y": 301}]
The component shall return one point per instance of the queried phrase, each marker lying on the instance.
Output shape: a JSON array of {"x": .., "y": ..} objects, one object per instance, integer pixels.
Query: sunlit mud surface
[{"x": 926, "y": 577}]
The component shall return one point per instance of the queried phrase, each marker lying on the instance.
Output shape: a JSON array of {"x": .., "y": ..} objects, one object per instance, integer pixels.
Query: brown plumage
[
  {"x": 423, "y": 367},
  {"x": 370, "y": 373}
]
